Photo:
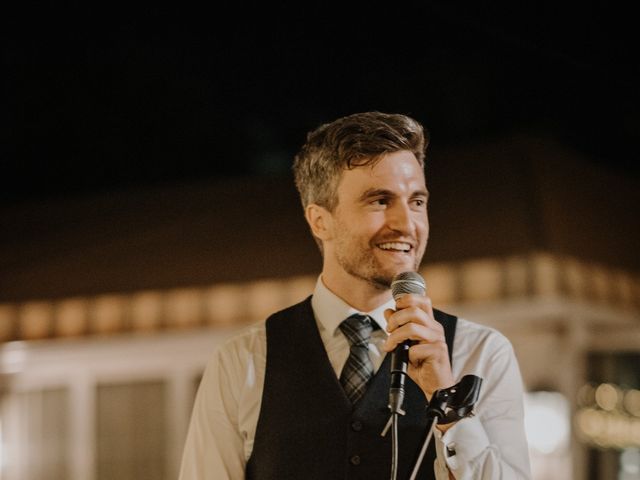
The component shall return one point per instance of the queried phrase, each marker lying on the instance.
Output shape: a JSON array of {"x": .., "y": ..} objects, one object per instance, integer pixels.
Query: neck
[{"x": 356, "y": 292}]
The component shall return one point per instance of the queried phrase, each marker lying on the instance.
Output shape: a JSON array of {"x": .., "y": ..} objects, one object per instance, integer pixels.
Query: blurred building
[{"x": 111, "y": 305}]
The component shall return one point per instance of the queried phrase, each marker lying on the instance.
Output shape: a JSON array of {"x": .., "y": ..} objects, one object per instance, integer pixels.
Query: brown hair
[{"x": 353, "y": 141}]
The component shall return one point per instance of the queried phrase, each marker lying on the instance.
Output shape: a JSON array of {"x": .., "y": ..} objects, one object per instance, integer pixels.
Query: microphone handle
[
  {"x": 402, "y": 284},
  {"x": 399, "y": 364},
  {"x": 400, "y": 357}
]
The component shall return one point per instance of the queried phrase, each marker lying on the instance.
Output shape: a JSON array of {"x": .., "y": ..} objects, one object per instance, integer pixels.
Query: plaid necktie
[{"x": 358, "y": 370}]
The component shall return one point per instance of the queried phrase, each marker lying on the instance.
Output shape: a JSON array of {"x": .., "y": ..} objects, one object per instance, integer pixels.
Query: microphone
[{"x": 403, "y": 283}]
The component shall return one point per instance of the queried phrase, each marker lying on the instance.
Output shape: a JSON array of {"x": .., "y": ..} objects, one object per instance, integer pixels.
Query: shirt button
[
  {"x": 355, "y": 460},
  {"x": 451, "y": 449},
  {"x": 357, "y": 425}
]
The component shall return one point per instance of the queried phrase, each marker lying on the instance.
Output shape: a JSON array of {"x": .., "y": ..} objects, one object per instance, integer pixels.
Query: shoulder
[
  {"x": 240, "y": 349},
  {"x": 477, "y": 333},
  {"x": 471, "y": 334},
  {"x": 234, "y": 369},
  {"x": 479, "y": 344},
  {"x": 294, "y": 311},
  {"x": 250, "y": 342}
]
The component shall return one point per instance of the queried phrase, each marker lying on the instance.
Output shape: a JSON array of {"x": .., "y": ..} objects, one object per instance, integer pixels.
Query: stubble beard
[{"x": 365, "y": 266}]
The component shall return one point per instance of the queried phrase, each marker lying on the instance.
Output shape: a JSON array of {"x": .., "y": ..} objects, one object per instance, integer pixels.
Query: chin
[
  {"x": 406, "y": 266},
  {"x": 384, "y": 278},
  {"x": 381, "y": 283}
]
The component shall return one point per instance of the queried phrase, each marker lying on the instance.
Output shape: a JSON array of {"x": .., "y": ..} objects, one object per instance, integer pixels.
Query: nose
[{"x": 399, "y": 218}]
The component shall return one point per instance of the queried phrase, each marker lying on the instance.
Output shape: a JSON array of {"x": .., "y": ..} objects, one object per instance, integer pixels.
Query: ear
[{"x": 320, "y": 220}]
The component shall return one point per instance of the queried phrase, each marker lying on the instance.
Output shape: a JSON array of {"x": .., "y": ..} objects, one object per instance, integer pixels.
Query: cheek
[
  {"x": 421, "y": 222},
  {"x": 373, "y": 224},
  {"x": 424, "y": 226},
  {"x": 366, "y": 223},
  {"x": 423, "y": 232}
]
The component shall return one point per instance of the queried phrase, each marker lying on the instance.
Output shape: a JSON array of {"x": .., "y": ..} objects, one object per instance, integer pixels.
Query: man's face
[{"x": 380, "y": 225}]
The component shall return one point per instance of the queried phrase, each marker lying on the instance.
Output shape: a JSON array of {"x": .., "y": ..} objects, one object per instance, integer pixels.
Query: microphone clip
[{"x": 451, "y": 404}]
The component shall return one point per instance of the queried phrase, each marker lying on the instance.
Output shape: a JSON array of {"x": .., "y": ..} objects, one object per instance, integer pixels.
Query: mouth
[{"x": 395, "y": 247}]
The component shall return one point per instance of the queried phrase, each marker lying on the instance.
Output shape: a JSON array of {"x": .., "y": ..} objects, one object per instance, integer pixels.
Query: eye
[{"x": 380, "y": 201}]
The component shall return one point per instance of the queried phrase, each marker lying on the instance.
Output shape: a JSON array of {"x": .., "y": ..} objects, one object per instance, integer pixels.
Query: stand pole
[
  {"x": 423, "y": 450},
  {"x": 394, "y": 446}
]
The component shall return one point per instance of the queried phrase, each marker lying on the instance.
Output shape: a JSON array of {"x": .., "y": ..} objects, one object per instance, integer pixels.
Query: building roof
[{"x": 502, "y": 197}]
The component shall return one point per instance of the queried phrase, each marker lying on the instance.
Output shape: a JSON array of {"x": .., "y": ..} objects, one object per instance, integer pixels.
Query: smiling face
[{"x": 379, "y": 227}]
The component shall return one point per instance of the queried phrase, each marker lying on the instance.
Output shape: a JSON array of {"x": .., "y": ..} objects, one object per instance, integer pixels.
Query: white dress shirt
[{"x": 490, "y": 445}]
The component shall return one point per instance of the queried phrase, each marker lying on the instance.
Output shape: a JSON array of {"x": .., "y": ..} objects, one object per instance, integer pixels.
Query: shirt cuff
[{"x": 463, "y": 442}]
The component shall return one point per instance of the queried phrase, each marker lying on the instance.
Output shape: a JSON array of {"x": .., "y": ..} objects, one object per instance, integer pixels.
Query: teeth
[{"x": 404, "y": 247}]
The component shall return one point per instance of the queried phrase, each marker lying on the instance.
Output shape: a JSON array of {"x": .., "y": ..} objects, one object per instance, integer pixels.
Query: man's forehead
[{"x": 396, "y": 173}]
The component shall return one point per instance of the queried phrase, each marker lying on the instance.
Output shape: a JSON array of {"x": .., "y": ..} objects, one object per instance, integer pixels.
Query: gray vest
[{"x": 308, "y": 429}]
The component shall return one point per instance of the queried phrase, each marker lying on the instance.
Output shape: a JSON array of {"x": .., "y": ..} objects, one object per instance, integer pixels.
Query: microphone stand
[
  {"x": 449, "y": 405},
  {"x": 399, "y": 362},
  {"x": 402, "y": 284}
]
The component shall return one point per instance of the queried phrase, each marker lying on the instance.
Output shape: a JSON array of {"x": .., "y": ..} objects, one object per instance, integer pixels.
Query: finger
[
  {"x": 401, "y": 317},
  {"x": 412, "y": 300},
  {"x": 412, "y": 314},
  {"x": 387, "y": 314},
  {"x": 412, "y": 331},
  {"x": 436, "y": 352},
  {"x": 417, "y": 301},
  {"x": 429, "y": 367},
  {"x": 407, "y": 315}
]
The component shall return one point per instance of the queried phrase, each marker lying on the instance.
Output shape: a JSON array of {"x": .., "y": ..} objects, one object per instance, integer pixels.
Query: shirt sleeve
[
  {"x": 492, "y": 444},
  {"x": 214, "y": 447}
]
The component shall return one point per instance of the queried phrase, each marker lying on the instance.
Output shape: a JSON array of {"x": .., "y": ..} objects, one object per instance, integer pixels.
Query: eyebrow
[{"x": 381, "y": 192}]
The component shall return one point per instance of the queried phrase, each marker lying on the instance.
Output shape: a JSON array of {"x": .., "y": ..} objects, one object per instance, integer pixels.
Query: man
[{"x": 304, "y": 395}]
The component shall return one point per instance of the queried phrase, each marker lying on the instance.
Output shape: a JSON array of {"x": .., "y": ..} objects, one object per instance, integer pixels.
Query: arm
[
  {"x": 491, "y": 445},
  {"x": 214, "y": 447}
]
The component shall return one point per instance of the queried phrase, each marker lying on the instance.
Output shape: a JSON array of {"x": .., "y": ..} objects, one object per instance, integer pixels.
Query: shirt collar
[{"x": 330, "y": 310}]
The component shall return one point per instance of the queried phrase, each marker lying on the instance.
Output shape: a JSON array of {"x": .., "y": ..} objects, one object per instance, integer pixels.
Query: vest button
[
  {"x": 357, "y": 425},
  {"x": 355, "y": 460}
]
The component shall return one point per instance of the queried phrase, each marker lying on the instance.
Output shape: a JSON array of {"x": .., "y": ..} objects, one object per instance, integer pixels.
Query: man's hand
[{"x": 429, "y": 365}]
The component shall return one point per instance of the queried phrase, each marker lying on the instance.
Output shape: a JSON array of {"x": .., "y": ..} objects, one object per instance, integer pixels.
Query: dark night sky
[{"x": 99, "y": 98}]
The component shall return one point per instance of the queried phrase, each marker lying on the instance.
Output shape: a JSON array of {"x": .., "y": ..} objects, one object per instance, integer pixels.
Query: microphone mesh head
[{"x": 407, "y": 282}]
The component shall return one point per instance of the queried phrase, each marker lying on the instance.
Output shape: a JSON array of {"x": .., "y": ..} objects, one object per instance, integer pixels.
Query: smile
[{"x": 395, "y": 247}]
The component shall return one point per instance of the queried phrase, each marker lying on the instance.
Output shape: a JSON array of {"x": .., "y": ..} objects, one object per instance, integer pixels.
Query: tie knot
[{"x": 357, "y": 328}]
